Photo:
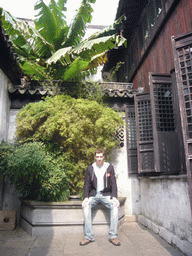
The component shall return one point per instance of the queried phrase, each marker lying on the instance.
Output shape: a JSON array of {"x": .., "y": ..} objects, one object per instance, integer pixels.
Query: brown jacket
[{"x": 90, "y": 182}]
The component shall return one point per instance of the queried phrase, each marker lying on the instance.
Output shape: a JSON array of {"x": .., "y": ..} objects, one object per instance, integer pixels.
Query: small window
[
  {"x": 186, "y": 61},
  {"x": 140, "y": 36},
  {"x": 158, "y": 7},
  {"x": 152, "y": 16},
  {"x": 145, "y": 147},
  {"x": 154, "y": 9},
  {"x": 131, "y": 127},
  {"x": 131, "y": 140},
  {"x": 120, "y": 136},
  {"x": 145, "y": 27},
  {"x": 164, "y": 107},
  {"x": 145, "y": 120}
]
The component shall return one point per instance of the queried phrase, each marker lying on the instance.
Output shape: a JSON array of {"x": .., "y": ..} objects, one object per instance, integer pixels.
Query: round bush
[{"x": 72, "y": 129}]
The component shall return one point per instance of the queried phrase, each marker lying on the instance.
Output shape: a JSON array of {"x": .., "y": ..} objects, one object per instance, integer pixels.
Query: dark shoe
[
  {"x": 85, "y": 241},
  {"x": 115, "y": 241}
]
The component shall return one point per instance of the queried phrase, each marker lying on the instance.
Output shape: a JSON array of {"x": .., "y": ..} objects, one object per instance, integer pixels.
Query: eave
[
  {"x": 111, "y": 89},
  {"x": 132, "y": 10},
  {"x": 8, "y": 58}
]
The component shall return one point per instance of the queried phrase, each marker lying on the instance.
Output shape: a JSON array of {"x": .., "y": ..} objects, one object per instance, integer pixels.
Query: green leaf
[
  {"x": 110, "y": 30},
  {"x": 62, "y": 54},
  {"x": 90, "y": 51},
  {"x": 36, "y": 71},
  {"x": 45, "y": 22},
  {"x": 98, "y": 44},
  {"x": 50, "y": 19},
  {"x": 97, "y": 60},
  {"x": 78, "y": 24},
  {"x": 24, "y": 36},
  {"x": 91, "y": 48},
  {"x": 76, "y": 67},
  {"x": 61, "y": 4}
]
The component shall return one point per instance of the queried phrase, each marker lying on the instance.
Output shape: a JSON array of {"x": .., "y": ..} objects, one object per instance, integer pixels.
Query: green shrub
[
  {"x": 72, "y": 129},
  {"x": 35, "y": 173}
]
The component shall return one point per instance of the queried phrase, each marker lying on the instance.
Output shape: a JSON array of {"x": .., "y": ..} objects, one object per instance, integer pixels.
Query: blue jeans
[{"x": 93, "y": 201}]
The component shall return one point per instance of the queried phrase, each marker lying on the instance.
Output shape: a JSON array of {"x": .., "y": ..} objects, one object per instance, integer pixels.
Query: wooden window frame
[
  {"x": 158, "y": 153},
  {"x": 182, "y": 51},
  {"x": 166, "y": 139},
  {"x": 131, "y": 140},
  {"x": 145, "y": 147}
]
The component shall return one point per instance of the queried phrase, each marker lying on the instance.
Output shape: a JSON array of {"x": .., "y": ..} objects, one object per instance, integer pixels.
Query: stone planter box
[{"x": 42, "y": 218}]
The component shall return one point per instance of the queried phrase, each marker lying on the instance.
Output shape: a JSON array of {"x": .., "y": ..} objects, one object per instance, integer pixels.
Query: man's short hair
[{"x": 100, "y": 151}]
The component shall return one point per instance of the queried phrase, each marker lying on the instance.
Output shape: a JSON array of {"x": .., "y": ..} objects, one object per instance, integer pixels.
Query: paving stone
[
  {"x": 126, "y": 248},
  {"x": 45, "y": 251},
  {"x": 72, "y": 247},
  {"x": 50, "y": 242},
  {"x": 17, "y": 248},
  {"x": 136, "y": 240},
  {"x": 133, "y": 227},
  {"x": 9, "y": 251},
  {"x": 148, "y": 242}
]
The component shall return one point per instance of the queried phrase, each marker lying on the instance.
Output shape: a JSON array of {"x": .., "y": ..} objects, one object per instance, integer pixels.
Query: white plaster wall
[
  {"x": 4, "y": 119},
  {"x": 128, "y": 186},
  {"x": 134, "y": 196},
  {"x": 11, "y": 198},
  {"x": 165, "y": 201},
  {"x": 12, "y": 125},
  {"x": 8, "y": 194},
  {"x": 4, "y": 106}
]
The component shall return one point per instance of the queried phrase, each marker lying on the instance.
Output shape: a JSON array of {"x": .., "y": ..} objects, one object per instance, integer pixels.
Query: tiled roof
[
  {"x": 112, "y": 89},
  {"x": 118, "y": 89},
  {"x": 8, "y": 58}
]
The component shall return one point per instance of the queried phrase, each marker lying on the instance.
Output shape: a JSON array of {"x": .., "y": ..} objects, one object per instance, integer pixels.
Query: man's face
[{"x": 99, "y": 158}]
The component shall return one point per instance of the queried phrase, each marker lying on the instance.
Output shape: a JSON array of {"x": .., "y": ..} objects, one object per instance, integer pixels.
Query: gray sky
[{"x": 104, "y": 10}]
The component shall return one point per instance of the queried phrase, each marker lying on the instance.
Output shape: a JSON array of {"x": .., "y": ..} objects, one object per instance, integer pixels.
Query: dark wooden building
[
  {"x": 148, "y": 27},
  {"x": 158, "y": 59}
]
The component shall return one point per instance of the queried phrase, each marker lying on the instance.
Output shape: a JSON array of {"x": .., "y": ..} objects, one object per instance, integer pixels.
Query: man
[{"x": 100, "y": 186}]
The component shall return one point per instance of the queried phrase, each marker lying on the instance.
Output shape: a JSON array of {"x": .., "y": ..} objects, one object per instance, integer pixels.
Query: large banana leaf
[
  {"x": 96, "y": 61},
  {"x": 50, "y": 19},
  {"x": 88, "y": 49},
  {"x": 37, "y": 72},
  {"x": 110, "y": 30},
  {"x": 62, "y": 55},
  {"x": 78, "y": 24},
  {"x": 99, "y": 45},
  {"x": 75, "y": 68},
  {"x": 90, "y": 54},
  {"x": 27, "y": 40}
]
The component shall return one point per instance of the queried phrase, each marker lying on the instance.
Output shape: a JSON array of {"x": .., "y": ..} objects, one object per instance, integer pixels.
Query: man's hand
[
  {"x": 115, "y": 202},
  {"x": 85, "y": 202}
]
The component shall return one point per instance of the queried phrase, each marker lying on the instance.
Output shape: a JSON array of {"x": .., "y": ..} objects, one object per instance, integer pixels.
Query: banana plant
[{"x": 53, "y": 50}]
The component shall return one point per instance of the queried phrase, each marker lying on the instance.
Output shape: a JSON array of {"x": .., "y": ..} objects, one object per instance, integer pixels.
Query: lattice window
[
  {"x": 164, "y": 107},
  {"x": 145, "y": 120},
  {"x": 131, "y": 127},
  {"x": 185, "y": 61},
  {"x": 120, "y": 136}
]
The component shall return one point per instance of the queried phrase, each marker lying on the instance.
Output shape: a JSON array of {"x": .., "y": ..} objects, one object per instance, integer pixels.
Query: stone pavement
[{"x": 135, "y": 239}]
